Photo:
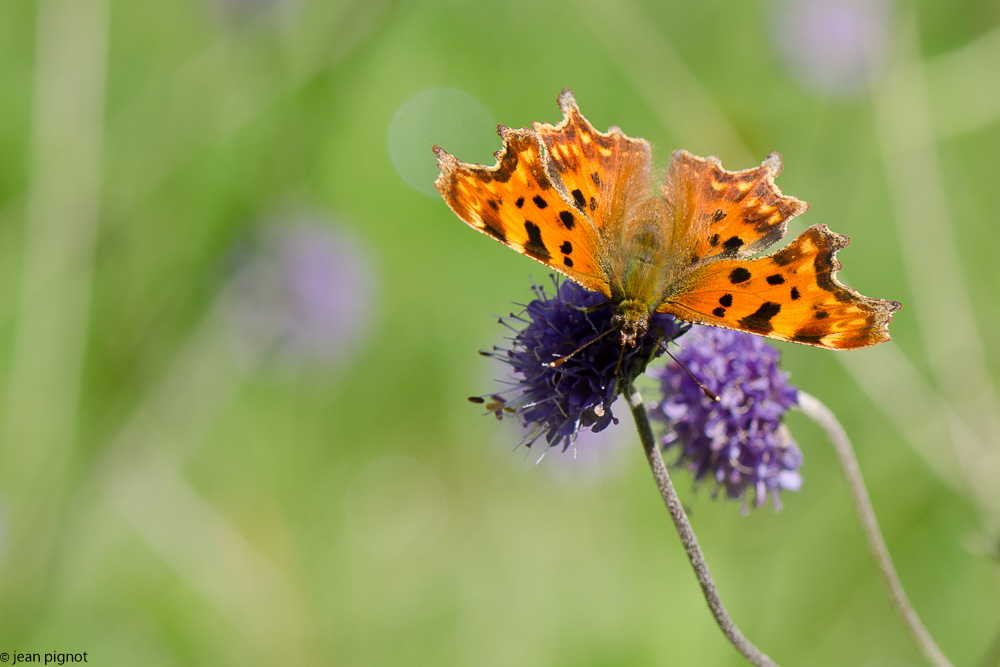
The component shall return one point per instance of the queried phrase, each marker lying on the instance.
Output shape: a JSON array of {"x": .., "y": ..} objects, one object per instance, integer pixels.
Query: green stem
[
  {"x": 818, "y": 412},
  {"x": 688, "y": 539}
]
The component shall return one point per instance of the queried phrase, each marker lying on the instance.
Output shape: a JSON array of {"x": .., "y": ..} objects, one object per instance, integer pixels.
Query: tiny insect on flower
[
  {"x": 570, "y": 327},
  {"x": 740, "y": 441}
]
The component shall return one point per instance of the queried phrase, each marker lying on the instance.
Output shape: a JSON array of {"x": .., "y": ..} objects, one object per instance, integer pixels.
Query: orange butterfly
[{"x": 581, "y": 202}]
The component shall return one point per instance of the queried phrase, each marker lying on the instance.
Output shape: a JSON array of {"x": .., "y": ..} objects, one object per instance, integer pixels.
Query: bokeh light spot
[{"x": 453, "y": 120}]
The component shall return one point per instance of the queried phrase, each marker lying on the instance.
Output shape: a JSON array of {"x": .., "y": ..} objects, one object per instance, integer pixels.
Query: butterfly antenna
[
  {"x": 562, "y": 360},
  {"x": 708, "y": 392}
]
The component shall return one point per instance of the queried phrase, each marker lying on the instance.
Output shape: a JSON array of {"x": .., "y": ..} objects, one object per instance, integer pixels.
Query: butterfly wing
[
  {"x": 792, "y": 294},
  {"x": 718, "y": 213},
  {"x": 604, "y": 173},
  {"x": 551, "y": 192},
  {"x": 576, "y": 200}
]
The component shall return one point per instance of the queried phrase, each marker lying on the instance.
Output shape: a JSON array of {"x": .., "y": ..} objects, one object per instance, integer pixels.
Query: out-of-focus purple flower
[
  {"x": 556, "y": 402},
  {"x": 833, "y": 46},
  {"x": 302, "y": 294},
  {"x": 740, "y": 441}
]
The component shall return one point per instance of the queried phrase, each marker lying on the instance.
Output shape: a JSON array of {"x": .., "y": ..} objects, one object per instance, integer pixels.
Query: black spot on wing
[
  {"x": 718, "y": 215},
  {"x": 739, "y": 275},
  {"x": 535, "y": 247},
  {"x": 821, "y": 315},
  {"x": 761, "y": 222},
  {"x": 596, "y": 178},
  {"x": 786, "y": 256},
  {"x": 567, "y": 219},
  {"x": 539, "y": 201},
  {"x": 776, "y": 279},
  {"x": 493, "y": 227},
  {"x": 726, "y": 300},
  {"x": 568, "y": 262},
  {"x": 593, "y": 204},
  {"x": 795, "y": 293},
  {"x": 581, "y": 201},
  {"x": 826, "y": 266},
  {"x": 508, "y": 165},
  {"x": 733, "y": 243},
  {"x": 759, "y": 321},
  {"x": 566, "y": 248},
  {"x": 520, "y": 202},
  {"x": 713, "y": 240},
  {"x": 494, "y": 204},
  {"x": 719, "y": 312},
  {"x": 809, "y": 338}
]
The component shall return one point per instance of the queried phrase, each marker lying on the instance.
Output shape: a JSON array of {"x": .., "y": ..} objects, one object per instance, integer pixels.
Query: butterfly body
[
  {"x": 584, "y": 203},
  {"x": 640, "y": 279}
]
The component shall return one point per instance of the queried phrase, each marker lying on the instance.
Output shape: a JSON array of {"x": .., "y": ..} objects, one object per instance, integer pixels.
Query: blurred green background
[{"x": 238, "y": 331}]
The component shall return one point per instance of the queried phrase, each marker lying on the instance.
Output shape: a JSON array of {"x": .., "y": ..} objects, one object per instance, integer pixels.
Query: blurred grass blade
[
  {"x": 675, "y": 94},
  {"x": 925, "y": 228},
  {"x": 52, "y": 317}
]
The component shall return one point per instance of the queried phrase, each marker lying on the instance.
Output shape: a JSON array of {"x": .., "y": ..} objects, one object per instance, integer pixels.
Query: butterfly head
[{"x": 631, "y": 318}]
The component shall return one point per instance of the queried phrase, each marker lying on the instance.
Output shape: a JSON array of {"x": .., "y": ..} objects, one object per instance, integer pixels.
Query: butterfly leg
[
  {"x": 621, "y": 356},
  {"x": 590, "y": 309}
]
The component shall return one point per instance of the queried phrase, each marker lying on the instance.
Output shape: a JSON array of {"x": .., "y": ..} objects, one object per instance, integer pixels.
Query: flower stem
[
  {"x": 688, "y": 539},
  {"x": 822, "y": 415}
]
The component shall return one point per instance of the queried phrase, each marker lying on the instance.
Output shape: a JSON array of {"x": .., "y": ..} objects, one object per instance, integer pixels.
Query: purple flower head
[
  {"x": 302, "y": 293},
  {"x": 740, "y": 441},
  {"x": 556, "y": 402}
]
